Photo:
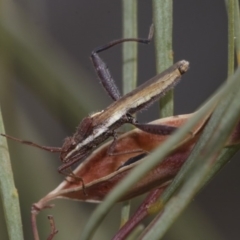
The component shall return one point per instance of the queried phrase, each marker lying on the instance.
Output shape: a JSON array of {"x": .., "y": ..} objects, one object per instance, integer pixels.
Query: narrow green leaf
[
  {"x": 129, "y": 48},
  {"x": 129, "y": 70},
  {"x": 230, "y": 8},
  {"x": 163, "y": 21},
  {"x": 9, "y": 192},
  {"x": 237, "y": 30}
]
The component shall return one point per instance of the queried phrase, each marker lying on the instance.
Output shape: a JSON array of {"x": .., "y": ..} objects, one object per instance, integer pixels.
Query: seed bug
[{"x": 96, "y": 128}]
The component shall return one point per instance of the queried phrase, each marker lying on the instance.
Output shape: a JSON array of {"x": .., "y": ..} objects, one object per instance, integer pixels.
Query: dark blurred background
[{"x": 49, "y": 112}]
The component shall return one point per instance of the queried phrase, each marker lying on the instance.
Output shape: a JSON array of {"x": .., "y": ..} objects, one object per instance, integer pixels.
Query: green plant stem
[
  {"x": 162, "y": 15},
  {"x": 125, "y": 212},
  {"x": 230, "y": 9},
  {"x": 130, "y": 48},
  {"x": 237, "y": 30},
  {"x": 129, "y": 70},
  {"x": 9, "y": 192}
]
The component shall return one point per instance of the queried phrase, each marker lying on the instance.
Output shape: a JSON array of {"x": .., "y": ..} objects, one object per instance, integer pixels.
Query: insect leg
[
  {"x": 67, "y": 171},
  {"x": 112, "y": 146},
  {"x": 133, "y": 160},
  {"x": 155, "y": 128},
  {"x": 50, "y": 149},
  {"x": 102, "y": 69}
]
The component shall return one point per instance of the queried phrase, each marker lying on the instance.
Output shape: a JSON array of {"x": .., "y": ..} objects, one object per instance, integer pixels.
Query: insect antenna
[{"x": 119, "y": 41}]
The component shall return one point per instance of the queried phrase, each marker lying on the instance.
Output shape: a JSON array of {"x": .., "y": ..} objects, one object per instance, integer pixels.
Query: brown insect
[{"x": 96, "y": 128}]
